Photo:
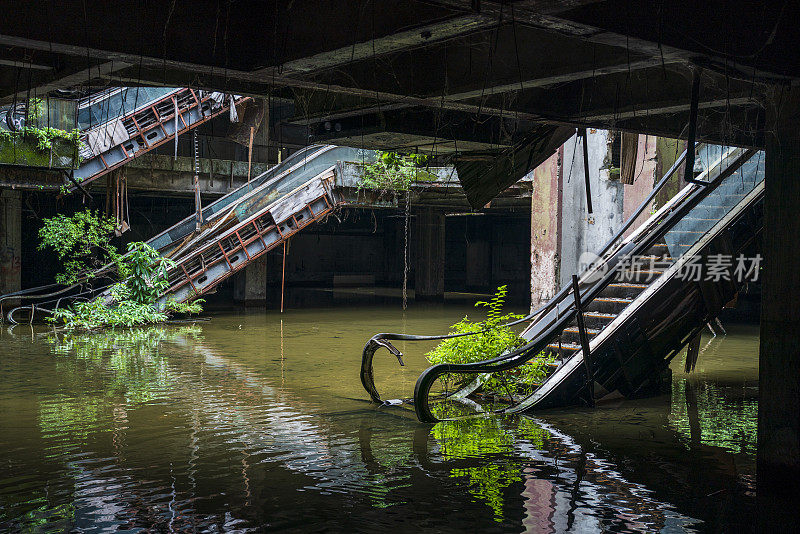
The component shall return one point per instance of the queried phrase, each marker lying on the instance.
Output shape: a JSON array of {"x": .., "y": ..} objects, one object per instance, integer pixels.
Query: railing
[
  {"x": 126, "y": 133},
  {"x": 554, "y": 316}
]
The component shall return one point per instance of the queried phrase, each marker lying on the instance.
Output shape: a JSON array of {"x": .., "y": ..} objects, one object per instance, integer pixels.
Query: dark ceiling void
[
  {"x": 742, "y": 38},
  {"x": 451, "y": 77}
]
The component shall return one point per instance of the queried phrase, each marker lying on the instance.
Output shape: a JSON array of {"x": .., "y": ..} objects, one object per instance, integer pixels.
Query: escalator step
[
  {"x": 598, "y": 320},
  {"x": 623, "y": 290},
  {"x": 608, "y": 304},
  {"x": 640, "y": 276},
  {"x": 571, "y": 334}
]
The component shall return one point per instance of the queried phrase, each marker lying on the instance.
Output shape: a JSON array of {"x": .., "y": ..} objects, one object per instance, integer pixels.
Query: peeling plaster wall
[
  {"x": 545, "y": 229},
  {"x": 644, "y": 179},
  {"x": 582, "y": 232}
]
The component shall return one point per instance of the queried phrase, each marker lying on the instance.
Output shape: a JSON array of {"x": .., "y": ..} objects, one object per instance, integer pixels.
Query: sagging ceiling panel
[{"x": 484, "y": 175}]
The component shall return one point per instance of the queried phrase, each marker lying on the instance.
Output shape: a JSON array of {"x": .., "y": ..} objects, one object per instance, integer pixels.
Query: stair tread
[
  {"x": 574, "y": 330},
  {"x": 600, "y": 314},
  {"x": 567, "y": 346},
  {"x": 628, "y": 284},
  {"x": 656, "y": 257}
]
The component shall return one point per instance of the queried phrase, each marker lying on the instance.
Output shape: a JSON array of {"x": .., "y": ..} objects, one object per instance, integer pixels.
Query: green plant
[
  {"x": 42, "y": 138},
  {"x": 492, "y": 340},
  {"x": 82, "y": 243},
  {"x": 392, "y": 171}
]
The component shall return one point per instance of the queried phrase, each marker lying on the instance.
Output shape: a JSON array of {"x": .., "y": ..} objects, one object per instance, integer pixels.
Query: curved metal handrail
[{"x": 383, "y": 339}]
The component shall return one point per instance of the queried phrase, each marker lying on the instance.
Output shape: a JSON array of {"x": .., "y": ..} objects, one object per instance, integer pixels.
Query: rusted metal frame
[
  {"x": 104, "y": 162},
  {"x": 155, "y": 111},
  {"x": 149, "y": 146},
  {"x": 278, "y": 228},
  {"x": 140, "y": 132},
  {"x": 191, "y": 282},
  {"x": 224, "y": 255},
  {"x": 194, "y": 95},
  {"x": 587, "y": 355},
  {"x": 296, "y": 229},
  {"x": 260, "y": 235},
  {"x": 233, "y": 269},
  {"x": 242, "y": 243},
  {"x": 178, "y": 113}
]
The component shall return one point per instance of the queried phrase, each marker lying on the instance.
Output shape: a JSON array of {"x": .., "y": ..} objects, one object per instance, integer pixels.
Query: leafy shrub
[
  {"x": 493, "y": 339},
  {"x": 83, "y": 243},
  {"x": 392, "y": 171}
]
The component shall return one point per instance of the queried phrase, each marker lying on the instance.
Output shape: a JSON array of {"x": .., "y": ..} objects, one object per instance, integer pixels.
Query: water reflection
[{"x": 179, "y": 428}]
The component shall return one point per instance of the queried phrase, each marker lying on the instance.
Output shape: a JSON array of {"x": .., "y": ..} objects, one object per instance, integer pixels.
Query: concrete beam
[
  {"x": 403, "y": 40},
  {"x": 63, "y": 78},
  {"x": 164, "y": 174}
]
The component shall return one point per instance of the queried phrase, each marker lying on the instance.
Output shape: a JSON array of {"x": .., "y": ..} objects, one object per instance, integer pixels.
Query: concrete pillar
[
  {"x": 250, "y": 284},
  {"x": 428, "y": 235},
  {"x": 478, "y": 253},
  {"x": 581, "y": 232},
  {"x": 545, "y": 229},
  {"x": 10, "y": 242},
  {"x": 779, "y": 358}
]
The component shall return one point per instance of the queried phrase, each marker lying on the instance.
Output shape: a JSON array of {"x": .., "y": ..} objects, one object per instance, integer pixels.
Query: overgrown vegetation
[
  {"x": 393, "y": 172},
  {"x": 493, "y": 340},
  {"x": 83, "y": 244},
  {"x": 35, "y": 145}
]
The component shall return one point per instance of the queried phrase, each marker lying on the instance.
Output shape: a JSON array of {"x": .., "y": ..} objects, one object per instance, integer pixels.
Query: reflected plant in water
[
  {"x": 477, "y": 438},
  {"x": 130, "y": 361},
  {"x": 704, "y": 413}
]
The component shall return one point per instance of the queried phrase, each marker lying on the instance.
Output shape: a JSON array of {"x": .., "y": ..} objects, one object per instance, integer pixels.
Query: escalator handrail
[
  {"x": 383, "y": 339},
  {"x": 527, "y": 352}
]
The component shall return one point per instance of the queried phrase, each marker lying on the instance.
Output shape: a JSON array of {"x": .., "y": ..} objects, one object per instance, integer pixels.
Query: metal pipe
[
  {"x": 586, "y": 171},
  {"x": 587, "y": 355},
  {"x": 283, "y": 274},
  {"x": 688, "y": 170}
]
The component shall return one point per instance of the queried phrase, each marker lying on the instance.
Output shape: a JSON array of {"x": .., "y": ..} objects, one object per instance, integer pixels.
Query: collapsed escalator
[
  {"x": 614, "y": 330},
  {"x": 234, "y": 231}
]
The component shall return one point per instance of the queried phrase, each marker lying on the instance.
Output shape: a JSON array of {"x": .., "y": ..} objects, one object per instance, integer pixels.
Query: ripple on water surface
[{"x": 214, "y": 427}]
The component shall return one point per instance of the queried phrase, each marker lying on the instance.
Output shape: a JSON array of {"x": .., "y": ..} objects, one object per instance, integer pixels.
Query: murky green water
[{"x": 250, "y": 422}]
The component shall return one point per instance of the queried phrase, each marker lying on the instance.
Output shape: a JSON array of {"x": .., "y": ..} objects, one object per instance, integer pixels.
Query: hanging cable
[{"x": 405, "y": 251}]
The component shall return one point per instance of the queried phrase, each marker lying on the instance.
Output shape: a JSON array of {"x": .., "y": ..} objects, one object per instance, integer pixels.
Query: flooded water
[{"x": 256, "y": 421}]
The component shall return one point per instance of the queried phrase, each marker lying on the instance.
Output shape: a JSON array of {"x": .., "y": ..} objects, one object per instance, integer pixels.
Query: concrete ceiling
[{"x": 440, "y": 75}]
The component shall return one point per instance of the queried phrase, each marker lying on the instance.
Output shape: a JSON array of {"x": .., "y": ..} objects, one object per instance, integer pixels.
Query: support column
[
  {"x": 10, "y": 242},
  {"x": 250, "y": 284},
  {"x": 545, "y": 229},
  {"x": 429, "y": 246},
  {"x": 478, "y": 254},
  {"x": 779, "y": 358}
]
